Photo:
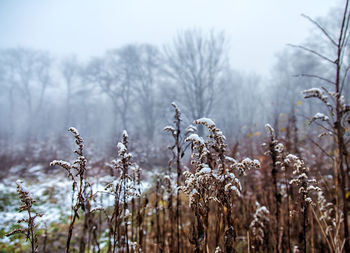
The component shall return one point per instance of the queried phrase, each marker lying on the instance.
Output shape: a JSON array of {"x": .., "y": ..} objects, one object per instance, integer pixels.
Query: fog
[
  {"x": 257, "y": 30},
  {"x": 109, "y": 66}
]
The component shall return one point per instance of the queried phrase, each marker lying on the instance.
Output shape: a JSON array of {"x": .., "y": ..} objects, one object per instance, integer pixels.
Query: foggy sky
[{"x": 256, "y": 29}]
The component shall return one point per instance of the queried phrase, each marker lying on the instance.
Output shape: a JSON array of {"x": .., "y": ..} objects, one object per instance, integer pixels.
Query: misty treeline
[
  {"x": 291, "y": 195},
  {"x": 132, "y": 87}
]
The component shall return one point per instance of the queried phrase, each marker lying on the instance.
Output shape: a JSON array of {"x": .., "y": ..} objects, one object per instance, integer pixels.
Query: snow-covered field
[{"x": 52, "y": 192}]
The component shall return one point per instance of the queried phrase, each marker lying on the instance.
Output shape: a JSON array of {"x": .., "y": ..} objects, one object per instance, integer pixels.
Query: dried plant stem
[
  {"x": 273, "y": 154},
  {"x": 288, "y": 211},
  {"x": 158, "y": 235},
  {"x": 330, "y": 243},
  {"x": 70, "y": 231}
]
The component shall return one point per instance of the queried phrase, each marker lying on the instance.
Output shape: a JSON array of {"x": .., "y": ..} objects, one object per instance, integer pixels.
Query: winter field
[{"x": 171, "y": 149}]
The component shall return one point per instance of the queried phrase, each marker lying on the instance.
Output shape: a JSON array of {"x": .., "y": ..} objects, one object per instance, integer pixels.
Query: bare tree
[
  {"x": 70, "y": 70},
  {"x": 8, "y": 86},
  {"x": 197, "y": 62},
  {"x": 127, "y": 58},
  {"x": 28, "y": 73},
  {"x": 336, "y": 121},
  {"x": 147, "y": 72},
  {"x": 113, "y": 73}
]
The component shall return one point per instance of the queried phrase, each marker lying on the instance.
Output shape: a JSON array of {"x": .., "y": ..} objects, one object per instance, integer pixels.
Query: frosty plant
[
  {"x": 88, "y": 218},
  {"x": 305, "y": 186},
  {"x": 136, "y": 219},
  {"x": 257, "y": 226},
  {"x": 76, "y": 172},
  {"x": 27, "y": 203},
  {"x": 329, "y": 222},
  {"x": 327, "y": 218},
  {"x": 123, "y": 189},
  {"x": 177, "y": 149},
  {"x": 159, "y": 240},
  {"x": 281, "y": 160},
  {"x": 214, "y": 178},
  {"x": 275, "y": 149}
]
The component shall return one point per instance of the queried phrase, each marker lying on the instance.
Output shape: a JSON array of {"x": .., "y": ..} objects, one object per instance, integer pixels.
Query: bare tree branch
[
  {"x": 319, "y": 146},
  {"x": 344, "y": 27},
  {"x": 344, "y": 78},
  {"x": 321, "y": 28},
  {"x": 313, "y": 52},
  {"x": 315, "y": 76}
]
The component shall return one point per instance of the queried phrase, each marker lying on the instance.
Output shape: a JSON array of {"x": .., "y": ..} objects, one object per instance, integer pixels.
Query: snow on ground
[{"x": 52, "y": 192}]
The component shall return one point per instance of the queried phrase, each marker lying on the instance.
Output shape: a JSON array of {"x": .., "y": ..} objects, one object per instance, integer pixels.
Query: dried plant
[
  {"x": 305, "y": 186},
  {"x": 214, "y": 179},
  {"x": 88, "y": 223},
  {"x": 275, "y": 149},
  {"x": 328, "y": 219},
  {"x": 258, "y": 226},
  {"x": 329, "y": 222},
  {"x": 76, "y": 172},
  {"x": 137, "y": 209},
  {"x": 178, "y": 150},
  {"x": 123, "y": 189},
  {"x": 27, "y": 204}
]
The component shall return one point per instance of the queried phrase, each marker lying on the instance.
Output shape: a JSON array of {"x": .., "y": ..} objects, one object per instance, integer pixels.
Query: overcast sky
[{"x": 256, "y": 29}]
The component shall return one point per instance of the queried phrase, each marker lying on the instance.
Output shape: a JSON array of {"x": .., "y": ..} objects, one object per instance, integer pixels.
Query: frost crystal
[
  {"x": 319, "y": 116},
  {"x": 121, "y": 148},
  {"x": 205, "y": 169},
  {"x": 195, "y": 138},
  {"x": 206, "y": 122}
]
